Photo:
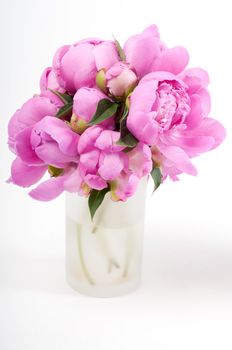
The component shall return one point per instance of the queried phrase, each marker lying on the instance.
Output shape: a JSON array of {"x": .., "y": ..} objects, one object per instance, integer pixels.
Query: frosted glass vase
[{"x": 103, "y": 256}]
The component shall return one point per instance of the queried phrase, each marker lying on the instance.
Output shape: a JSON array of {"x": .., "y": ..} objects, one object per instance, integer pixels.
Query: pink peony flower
[
  {"x": 102, "y": 163},
  {"x": 171, "y": 113},
  {"x": 146, "y": 53},
  {"x": 120, "y": 79},
  {"x": 76, "y": 65},
  {"x": 168, "y": 116},
  {"x": 50, "y": 142},
  {"x": 101, "y": 160},
  {"x": 31, "y": 112}
]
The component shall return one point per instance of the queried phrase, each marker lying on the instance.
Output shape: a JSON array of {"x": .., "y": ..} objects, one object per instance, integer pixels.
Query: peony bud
[
  {"x": 120, "y": 80},
  {"x": 101, "y": 80},
  {"x": 78, "y": 125}
]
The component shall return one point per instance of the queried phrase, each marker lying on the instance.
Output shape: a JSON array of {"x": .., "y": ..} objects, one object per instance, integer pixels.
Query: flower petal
[
  {"x": 111, "y": 167},
  {"x": 126, "y": 186},
  {"x": 140, "y": 162},
  {"x": 49, "y": 189},
  {"x": 88, "y": 138},
  {"x": 172, "y": 60},
  {"x": 212, "y": 128},
  {"x": 61, "y": 133},
  {"x": 24, "y": 175},
  {"x": 24, "y": 149},
  {"x": 85, "y": 102},
  {"x": 74, "y": 182},
  {"x": 143, "y": 127},
  {"x": 107, "y": 141},
  {"x": 195, "y": 78},
  {"x": 95, "y": 181},
  {"x": 105, "y": 54},
  {"x": 195, "y": 116},
  {"x": 179, "y": 158},
  {"x": 77, "y": 67},
  {"x": 142, "y": 49}
]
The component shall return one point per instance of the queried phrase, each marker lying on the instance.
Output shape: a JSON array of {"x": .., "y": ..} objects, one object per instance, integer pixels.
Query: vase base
[{"x": 103, "y": 291}]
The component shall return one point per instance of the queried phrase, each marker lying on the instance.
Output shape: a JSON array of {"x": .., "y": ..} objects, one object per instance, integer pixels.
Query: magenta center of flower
[{"x": 172, "y": 104}]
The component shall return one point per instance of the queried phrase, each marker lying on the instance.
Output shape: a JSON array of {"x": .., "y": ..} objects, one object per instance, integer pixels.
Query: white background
[{"x": 185, "y": 301}]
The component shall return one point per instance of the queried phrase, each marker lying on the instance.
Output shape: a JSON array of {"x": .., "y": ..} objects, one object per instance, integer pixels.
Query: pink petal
[
  {"x": 179, "y": 158},
  {"x": 195, "y": 116},
  {"x": 143, "y": 97},
  {"x": 95, "y": 181},
  {"x": 24, "y": 175},
  {"x": 57, "y": 65},
  {"x": 105, "y": 55},
  {"x": 74, "y": 182},
  {"x": 48, "y": 190},
  {"x": 50, "y": 153},
  {"x": 195, "y": 78},
  {"x": 160, "y": 76},
  {"x": 212, "y": 128},
  {"x": 89, "y": 160},
  {"x": 88, "y": 138},
  {"x": 61, "y": 133},
  {"x": 24, "y": 148},
  {"x": 107, "y": 141},
  {"x": 173, "y": 60},
  {"x": 192, "y": 144},
  {"x": 111, "y": 166},
  {"x": 141, "y": 50},
  {"x": 205, "y": 100},
  {"x": 31, "y": 112},
  {"x": 85, "y": 102},
  {"x": 77, "y": 67},
  {"x": 126, "y": 186},
  {"x": 48, "y": 80},
  {"x": 143, "y": 127},
  {"x": 140, "y": 162},
  {"x": 152, "y": 30}
]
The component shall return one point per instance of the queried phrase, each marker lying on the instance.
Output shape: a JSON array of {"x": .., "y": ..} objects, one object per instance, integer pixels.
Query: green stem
[
  {"x": 105, "y": 246},
  {"x": 128, "y": 257},
  {"x": 82, "y": 260}
]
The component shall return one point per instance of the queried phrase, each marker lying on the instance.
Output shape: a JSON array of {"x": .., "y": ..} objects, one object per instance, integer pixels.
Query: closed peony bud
[
  {"x": 78, "y": 125},
  {"x": 120, "y": 80}
]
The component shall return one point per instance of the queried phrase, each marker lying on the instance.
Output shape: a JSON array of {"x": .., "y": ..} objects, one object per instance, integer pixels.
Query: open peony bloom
[
  {"x": 174, "y": 119},
  {"x": 103, "y": 162},
  {"x": 50, "y": 142},
  {"x": 108, "y": 116}
]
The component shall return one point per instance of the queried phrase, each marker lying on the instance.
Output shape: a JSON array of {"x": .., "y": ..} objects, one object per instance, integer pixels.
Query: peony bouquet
[{"x": 108, "y": 116}]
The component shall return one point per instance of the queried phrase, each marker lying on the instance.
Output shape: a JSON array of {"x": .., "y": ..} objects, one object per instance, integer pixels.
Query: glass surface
[{"x": 103, "y": 257}]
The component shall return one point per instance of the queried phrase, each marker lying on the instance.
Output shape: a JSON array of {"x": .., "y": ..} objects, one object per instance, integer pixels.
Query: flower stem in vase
[{"x": 82, "y": 260}]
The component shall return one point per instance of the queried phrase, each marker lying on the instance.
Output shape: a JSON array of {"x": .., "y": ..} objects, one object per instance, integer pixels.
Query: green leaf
[
  {"x": 95, "y": 199},
  {"x": 121, "y": 53},
  {"x": 64, "y": 97},
  {"x": 156, "y": 176},
  {"x": 126, "y": 138},
  {"x": 65, "y": 111},
  {"x": 125, "y": 113},
  {"x": 105, "y": 110}
]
